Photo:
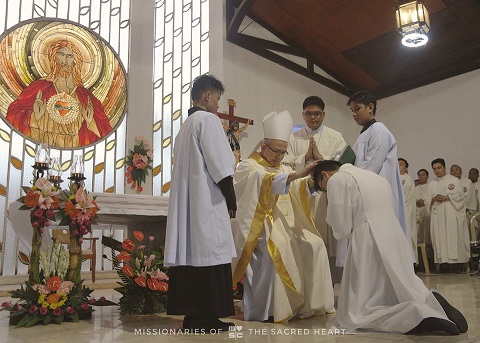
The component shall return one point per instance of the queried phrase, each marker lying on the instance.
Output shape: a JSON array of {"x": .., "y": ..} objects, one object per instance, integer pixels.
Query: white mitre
[{"x": 278, "y": 126}]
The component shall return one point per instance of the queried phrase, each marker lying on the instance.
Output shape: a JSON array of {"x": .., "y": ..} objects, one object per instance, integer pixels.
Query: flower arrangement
[
  {"x": 52, "y": 299},
  {"x": 79, "y": 213},
  {"x": 139, "y": 161},
  {"x": 144, "y": 283},
  {"x": 42, "y": 200}
]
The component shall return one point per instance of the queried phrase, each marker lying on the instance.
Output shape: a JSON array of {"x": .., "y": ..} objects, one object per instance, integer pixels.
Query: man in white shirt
[
  {"x": 376, "y": 149},
  {"x": 379, "y": 289},
  {"x": 448, "y": 223},
  {"x": 199, "y": 244},
  {"x": 468, "y": 188},
  {"x": 316, "y": 142},
  {"x": 473, "y": 176}
]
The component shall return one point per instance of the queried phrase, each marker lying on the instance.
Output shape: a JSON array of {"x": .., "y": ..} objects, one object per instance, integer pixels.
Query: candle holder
[
  {"x": 55, "y": 176},
  {"x": 77, "y": 170},
  {"x": 41, "y": 162}
]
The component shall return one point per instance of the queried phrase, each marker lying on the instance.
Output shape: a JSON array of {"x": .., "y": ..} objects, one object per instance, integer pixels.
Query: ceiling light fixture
[{"x": 412, "y": 22}]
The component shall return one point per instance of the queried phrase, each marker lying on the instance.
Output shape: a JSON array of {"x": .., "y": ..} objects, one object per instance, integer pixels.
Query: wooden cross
[{"x": 230, "y": 115}]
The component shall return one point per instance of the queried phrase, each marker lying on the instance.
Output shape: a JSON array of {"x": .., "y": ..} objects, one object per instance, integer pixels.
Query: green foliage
[{"x": 27, "y": 311}]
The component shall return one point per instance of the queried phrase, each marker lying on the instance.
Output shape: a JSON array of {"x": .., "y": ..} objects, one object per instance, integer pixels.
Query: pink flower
[
  {"x": 102, "y": 299},
  {"x": 42, "y": 289},
  {"x": 65, "y": 287},
  {"x": 33, "y": 309},
  {"x": 35, "y": 225},
  {"x": 70, "y": 310},
  {"x": 139, "y": 161},
  {"x": 6, "y": 304},
  {"x": 158, "y": 274},
  {"x": 43, "y": 311},
  {"x": 57, "y": 311},
  {"x": 38, "y": 212},
  {"x": 83, "y": 200},
  {"x": 80, "y": 241},
  {"x": 93, "y": 301},
  {"x": 151, "y": 238},
  {"x": 141, "y": 247},
  {"x": 84, "y": 306},
  {"x": 17, "y": 307}
]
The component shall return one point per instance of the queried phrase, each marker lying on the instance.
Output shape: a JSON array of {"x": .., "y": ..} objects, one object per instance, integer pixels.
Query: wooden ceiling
[{"x": 356, "y": 43}]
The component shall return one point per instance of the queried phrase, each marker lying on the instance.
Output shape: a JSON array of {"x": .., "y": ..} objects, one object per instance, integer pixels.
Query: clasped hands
[
  {"x": 313, "y": 153},
  {"x": 439, "y": 198}
]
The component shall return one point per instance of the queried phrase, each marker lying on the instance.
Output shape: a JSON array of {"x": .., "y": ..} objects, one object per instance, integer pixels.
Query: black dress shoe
[
  {"x": 432, "y": 324},
  {"x": 269, "y": 320},
  {"x": 452, "y": 313}
]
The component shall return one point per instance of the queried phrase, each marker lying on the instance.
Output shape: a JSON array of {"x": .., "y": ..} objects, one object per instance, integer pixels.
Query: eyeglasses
[
  {"x": 277, "y": 152},
  {"x": 315, "y": 113}
]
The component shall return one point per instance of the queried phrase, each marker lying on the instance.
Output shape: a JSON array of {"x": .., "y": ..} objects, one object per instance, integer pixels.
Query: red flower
[
  {"x": 31, "y": 199},
  {"x": 70, "y": 310},
  {"x": 57, "y": 311},
  {"x": 54, "y": 283},
  {"x": 124, "y": 256},
  {"x": 163, "y": 286},
  {"x": 56, "y": 202},
  {"x": 140, "y": 280},
  {"x": 33, "y": 309},
  {"x": 128, "y": 245},
  {"x": 138, "y": 235},
  {"x": 127, "y": 270},
  {"x": 84, "y": 306},
  {"x": 139, "y": 188},
  {"x": 153, "y": 284},
  {"x": 6, "y": 304},
  {"x": 43, "y": 311}
]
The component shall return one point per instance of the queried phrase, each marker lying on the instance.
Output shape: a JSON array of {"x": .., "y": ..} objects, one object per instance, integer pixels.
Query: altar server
[
  {"x": 199, "y": 244},
  {"x": 315, "y": 142},
  {"x": 379, "y": 289},
  {"x": 376, "y": 149},
  {"x": 281, "y": 254},
  {"x": 448, "y": 222}
]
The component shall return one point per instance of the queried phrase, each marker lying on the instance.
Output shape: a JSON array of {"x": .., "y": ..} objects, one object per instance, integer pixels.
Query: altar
[{"x": 126, "y": 212}]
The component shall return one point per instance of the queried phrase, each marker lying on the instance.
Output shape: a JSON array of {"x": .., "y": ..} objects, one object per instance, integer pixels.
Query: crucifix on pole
[{"x": 230, "y": 116}]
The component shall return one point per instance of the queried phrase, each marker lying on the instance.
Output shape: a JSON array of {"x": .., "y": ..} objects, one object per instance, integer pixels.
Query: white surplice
[
  {"x": 470, "y": 194},
  {"x": 408, "y": 187},
  {"x": 448, "y": 222},
  {"x": 379, "y": 289},
  {"x": 280, "y": 252},
  {"x": 330, "y": 143},
  {"x": 376, "y": 150},
  {"x": 198, "y": 225}
]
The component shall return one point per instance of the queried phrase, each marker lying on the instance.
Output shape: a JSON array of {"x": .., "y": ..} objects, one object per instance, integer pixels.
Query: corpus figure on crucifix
[{"x": 234, "y": 130}]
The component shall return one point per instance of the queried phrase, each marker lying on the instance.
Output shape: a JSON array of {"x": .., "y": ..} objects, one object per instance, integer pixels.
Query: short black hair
[
  {"x": 205, "y": 83},
  {"x": 364, "y": 97},
  {"x": 474, "y": 169},
  {"x": 327, "y": 165},
  {"x": 438, "y": 160},
  {"x": 426, "y": 171},
  {"x": 404, "y": 160},
  {"x": 313, "y": 100}
]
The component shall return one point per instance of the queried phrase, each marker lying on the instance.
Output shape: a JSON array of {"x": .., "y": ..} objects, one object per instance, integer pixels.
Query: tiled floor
[{"x": 106, "y": 325}]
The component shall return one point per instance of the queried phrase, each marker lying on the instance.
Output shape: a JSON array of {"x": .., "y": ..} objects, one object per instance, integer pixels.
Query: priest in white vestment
[
  {"x": 448, "y": 223},
  {"x": 316, "y": 142},
  {"x": 376, "y": 149},
  {"x": 280, "y": 252},
  {"x": 379, "y": 289},
  {"x": 473, "y": 176},
  {"x": 468, "y": 188},
  {"x": 408, "y": 188},
  {"x": 199, "y": 244}
]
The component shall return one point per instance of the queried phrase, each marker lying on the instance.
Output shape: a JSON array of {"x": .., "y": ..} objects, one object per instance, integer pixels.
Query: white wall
[{"x": 438, "y": 120}]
